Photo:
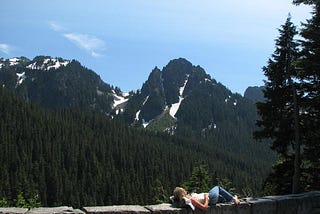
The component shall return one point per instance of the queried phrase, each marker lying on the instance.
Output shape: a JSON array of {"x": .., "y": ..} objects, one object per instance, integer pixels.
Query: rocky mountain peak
[{"x": 47, "y": 63}]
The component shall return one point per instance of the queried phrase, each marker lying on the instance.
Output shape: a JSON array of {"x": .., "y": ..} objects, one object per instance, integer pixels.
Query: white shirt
[{"x": 199, "y": 197}]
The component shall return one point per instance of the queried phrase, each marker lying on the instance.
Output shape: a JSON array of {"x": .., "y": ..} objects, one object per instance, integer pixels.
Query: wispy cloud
[
  {"x": 5, "y": 48},
  {"x": 89, "y": 43},
  {"x": 56, "y": 27}
]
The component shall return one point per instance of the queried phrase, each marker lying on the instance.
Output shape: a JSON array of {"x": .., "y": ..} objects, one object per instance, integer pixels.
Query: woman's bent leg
[
  {"x": 214, "y": 195},
  {"x": 225, "y": 195}
]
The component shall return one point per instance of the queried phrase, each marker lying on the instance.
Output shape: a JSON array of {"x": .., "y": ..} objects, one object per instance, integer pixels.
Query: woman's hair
[{"x": 178, "y": 193}]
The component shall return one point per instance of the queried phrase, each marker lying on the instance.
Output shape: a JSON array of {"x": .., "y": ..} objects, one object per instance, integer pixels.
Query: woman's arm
[{"x": 203, "y": 206}]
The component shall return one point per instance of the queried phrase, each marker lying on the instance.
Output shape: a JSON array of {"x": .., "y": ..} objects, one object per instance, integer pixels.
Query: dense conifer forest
[{"x": 69, "y": 157}]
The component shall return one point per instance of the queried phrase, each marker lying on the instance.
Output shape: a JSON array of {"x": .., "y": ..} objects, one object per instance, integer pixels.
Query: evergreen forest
[{"x": 71, "y": 157}]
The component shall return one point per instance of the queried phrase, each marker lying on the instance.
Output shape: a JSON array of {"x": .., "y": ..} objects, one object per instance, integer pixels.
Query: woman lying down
[{"x": 202, "y": 200}]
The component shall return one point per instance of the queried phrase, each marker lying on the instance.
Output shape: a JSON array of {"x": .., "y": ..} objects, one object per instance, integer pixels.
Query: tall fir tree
[
  {"x": 278, "y": 111},
  {"x": 309, "y": 2},
  {"x": 200, "y": 180},
  {"x": 309, "y": 75}
]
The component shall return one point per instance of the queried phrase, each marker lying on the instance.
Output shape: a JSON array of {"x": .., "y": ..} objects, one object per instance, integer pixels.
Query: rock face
[{"x": 306, "y": 203}]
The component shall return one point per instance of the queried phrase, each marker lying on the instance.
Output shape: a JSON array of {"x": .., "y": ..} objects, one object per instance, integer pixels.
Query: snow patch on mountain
[
  {"x": 37, "y": 64},
  {"x": 175, "y": 107},
  {"x": 145, "y": 123},
  {"x": 21, "y": 77},
  {"x": 119, "y": 99},
  {"x": 48, "y": 64},
  {"x": 137, "y": 115},
  {"x": 235, "y": 102},
  {"x": 14, "y": 61},
  {"x": 227, "y": 99},
  {"x": 138, "y": 112}
]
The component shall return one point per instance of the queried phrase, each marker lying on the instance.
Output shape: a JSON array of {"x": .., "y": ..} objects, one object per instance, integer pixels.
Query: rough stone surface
[
  {"x": 262, "y": 206},
  {"x": 165, "y": 208},
  {"x": 315, "y": 198},
  {"x": 287, "y": 205},
  {"x": 13, "y": 210},
  {"x": 57, "y": 210},
  {"x": 116, "y": 209},
  {"x": 242, "y": 208},
  {"x": 305, "y": 203}
]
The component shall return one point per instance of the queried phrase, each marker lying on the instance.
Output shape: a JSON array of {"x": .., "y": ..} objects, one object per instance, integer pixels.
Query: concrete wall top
[{"x": 306, "y": 203}]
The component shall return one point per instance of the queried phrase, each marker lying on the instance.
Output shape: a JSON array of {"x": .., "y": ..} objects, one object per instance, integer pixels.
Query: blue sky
[{"x": 123, "y": 40}]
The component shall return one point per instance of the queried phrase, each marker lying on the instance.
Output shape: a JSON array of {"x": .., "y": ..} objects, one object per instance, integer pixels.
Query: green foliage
[
  {"x": 290, "y": 115},
  {"x": 160, "y": 193},
  {"x": 4, "y": 202},
  {"x": 246, "y": 192},
  {"x": 309, "y": 76},
  {"x": 226, "y": 184},
  {"x": 162, "y": 122},
  {"x": 200, "y": 180},
  {"x": 21, "y": 202},
  {"x": 34, "y": 201},
  {"x": 72, "y": 158},
  {"x": 277, "y": 112}
]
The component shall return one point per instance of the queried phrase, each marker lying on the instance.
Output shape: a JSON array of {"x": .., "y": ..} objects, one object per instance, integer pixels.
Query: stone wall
[{"x": 306, "y": 203}]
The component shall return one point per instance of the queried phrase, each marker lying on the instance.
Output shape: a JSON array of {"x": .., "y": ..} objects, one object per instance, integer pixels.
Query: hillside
[
  {"x": 67, "y": 135},
  {"x": 57, "y": 83},
  {"x": 68, "y": 157}
]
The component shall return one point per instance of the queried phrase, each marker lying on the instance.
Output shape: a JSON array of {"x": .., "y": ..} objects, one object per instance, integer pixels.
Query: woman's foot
[{"x": 236, "y": 200}]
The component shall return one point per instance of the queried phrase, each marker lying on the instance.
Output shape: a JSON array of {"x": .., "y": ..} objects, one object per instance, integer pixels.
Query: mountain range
[
  {"x": 179, "y": 104},
  {"x": 180, "y": 98}
]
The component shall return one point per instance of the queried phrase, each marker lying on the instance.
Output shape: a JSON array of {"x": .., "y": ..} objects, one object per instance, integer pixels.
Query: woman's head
[{"x": 179, "y": 193}]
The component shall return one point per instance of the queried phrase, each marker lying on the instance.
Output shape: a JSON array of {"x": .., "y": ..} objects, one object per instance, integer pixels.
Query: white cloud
[
  {"x": 5, "y": 48},
  {"x": 56, "y": 27},
  {"x": 90, "y": 43}
]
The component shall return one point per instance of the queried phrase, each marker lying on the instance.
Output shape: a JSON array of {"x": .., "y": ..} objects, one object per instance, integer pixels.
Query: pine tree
[
  {"x": 309, "y": 75},
  {"x": 311, "y": 2},
  {"x": 200, "y": 180},
  {"x": 279, "y": 121}
]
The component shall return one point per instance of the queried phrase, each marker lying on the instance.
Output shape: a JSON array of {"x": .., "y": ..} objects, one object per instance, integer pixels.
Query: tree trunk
[{"x": 297, "y": 158}]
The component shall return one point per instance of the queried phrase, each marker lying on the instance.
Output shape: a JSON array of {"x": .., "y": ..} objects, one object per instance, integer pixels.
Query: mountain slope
[
  {"x": 82, "y": 159},
  {"x": 194, "y": 100},
  {"x": 57, "y": 83},
  {"x": 181, "y": 99}
]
